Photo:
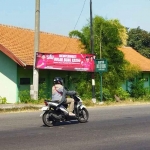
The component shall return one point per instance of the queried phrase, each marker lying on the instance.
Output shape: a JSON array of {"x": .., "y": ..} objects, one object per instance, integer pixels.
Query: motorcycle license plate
[{"x": 44, "y": 108}]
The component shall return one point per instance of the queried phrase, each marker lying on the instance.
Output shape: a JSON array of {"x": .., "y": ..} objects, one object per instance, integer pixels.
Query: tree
[
  {"x": 140, "y": 40},
  {"x": 108, "y": 36}
]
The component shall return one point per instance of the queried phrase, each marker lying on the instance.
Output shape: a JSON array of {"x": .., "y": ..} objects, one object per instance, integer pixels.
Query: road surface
[{"x": 108, "y": 128}]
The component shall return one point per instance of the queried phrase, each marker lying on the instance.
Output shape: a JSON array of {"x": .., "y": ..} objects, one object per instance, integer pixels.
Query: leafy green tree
[
  {"x": 140, "y": 40},
  {"x": 108, "y": 36}
]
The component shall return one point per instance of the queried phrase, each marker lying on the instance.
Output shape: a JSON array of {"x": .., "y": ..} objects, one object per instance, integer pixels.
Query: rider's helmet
[{"x": 58, "y": 80}]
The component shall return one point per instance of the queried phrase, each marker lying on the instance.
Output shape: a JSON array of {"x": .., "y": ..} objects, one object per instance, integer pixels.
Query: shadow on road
[{"x": 64, "y": 123}]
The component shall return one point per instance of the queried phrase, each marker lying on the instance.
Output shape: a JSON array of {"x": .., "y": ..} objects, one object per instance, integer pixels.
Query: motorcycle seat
[{"x": 52, "y": 101}]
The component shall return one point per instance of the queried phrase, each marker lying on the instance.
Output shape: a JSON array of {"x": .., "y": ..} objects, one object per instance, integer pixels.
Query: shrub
[
  {"x": 122, "y": 93},
  {"x": 24, "y": 96},
  {"x": 107, "y": 95},
  {"x": 43, "y": 94},
  {"x": 146, "y": 97},
  {"x": 3, "y": 100},
  {"x": 137, "y": 89}
]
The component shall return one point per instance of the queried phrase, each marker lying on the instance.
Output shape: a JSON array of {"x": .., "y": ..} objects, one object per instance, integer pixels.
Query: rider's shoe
[{"x": 71, "y": 114}]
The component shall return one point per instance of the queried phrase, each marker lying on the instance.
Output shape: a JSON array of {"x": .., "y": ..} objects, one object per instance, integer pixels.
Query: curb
[
  {"x": 6, "y": 106},
  {"x": 19, "y": 107},
  {"x": 24, "y": 107}
]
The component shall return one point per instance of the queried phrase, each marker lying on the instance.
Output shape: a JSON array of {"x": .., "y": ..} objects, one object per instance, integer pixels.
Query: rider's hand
[
  {"x": 76, "y": 93},
  {"x": 57, "y": 107}
]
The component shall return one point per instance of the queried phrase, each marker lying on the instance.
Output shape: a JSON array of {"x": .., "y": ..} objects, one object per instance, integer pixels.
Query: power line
[
  {"x": 80, "y": 14},
  {"x": 76, "y": 23}
]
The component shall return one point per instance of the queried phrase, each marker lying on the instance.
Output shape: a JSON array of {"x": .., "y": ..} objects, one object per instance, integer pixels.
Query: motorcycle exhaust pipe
[{"x": 56, "y": 116}]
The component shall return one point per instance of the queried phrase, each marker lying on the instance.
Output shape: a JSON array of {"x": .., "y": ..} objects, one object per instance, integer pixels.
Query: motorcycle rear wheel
[
  {"x": 83, "y": 115},
  {"x": 47, "y": 119}
]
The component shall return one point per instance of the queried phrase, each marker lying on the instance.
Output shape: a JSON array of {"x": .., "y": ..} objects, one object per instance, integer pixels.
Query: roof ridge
[
  {"x": 55, "y": 34},
  {"x": 10, "y": 26},
  {"x": 129, "y": 47},
  {"x": 11, "y": 55},
  {"x": 137, "y": 52},
  {"x": 20, "y": 42}
]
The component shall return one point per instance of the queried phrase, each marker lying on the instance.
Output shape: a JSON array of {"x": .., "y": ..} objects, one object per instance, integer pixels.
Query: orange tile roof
[
  {"x": 11, "y": 55},
  {"x": 20, "y": 42},
  {"x": 136, "y": 58}
]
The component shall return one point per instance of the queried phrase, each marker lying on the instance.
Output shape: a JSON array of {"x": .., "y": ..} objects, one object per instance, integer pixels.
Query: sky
[{"x": 62, "y": 16}]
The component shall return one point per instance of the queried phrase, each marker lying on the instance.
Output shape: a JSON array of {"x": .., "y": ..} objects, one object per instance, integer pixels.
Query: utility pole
[
  {"x": 100, "y": 45},
  {"x": 34, "y": 87},
  {"x": 101, "y": 77},
  {"x": 92, "y": 51}
]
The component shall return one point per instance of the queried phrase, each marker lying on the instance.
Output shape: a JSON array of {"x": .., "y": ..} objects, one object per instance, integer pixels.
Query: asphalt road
[{"x": 109, "y": 128}]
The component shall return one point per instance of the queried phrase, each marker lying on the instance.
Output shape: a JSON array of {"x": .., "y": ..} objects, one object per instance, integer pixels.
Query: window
[{"x": 24, "y": 81}]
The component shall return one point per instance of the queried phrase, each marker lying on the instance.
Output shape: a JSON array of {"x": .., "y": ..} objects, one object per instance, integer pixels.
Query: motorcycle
[{"x": 54, "y": 112}]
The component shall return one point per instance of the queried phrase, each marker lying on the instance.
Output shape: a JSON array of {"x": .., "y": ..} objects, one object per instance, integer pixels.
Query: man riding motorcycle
[{"x": 59, "y": 94}]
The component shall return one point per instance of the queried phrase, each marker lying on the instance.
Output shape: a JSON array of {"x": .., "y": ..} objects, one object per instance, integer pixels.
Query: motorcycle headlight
[{"x": 80, "y": 103}]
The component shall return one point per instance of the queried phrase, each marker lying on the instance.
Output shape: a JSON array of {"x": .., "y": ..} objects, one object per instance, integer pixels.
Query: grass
[
  {"x": 87, "y": 103},
  {"x": 19, "y": 109},
  {"x": 112, "y": 103}
]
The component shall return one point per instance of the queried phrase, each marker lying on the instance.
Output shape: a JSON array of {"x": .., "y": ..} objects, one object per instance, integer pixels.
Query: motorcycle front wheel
[
  {"x": 47, "y": 119},
  {"x": 83, "y": 115}
]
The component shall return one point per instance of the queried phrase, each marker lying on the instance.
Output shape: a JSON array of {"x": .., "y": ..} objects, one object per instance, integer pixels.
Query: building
[
  {"x": 17, "y": 53},
  {"x": 142, "y": 62},
  {"x": 16, "y": 58}
]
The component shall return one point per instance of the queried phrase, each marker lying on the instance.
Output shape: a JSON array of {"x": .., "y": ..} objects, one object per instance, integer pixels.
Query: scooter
[{"x": 54, "y": 112}]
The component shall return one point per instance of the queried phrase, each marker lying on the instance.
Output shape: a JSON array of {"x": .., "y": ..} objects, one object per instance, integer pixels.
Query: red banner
[{"x": 71, "y": 62}]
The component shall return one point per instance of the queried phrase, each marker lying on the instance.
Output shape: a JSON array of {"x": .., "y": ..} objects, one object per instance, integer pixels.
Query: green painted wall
[
  {"x": 8, "y": 79},
  {"x": 47, "y": 75},
  {"x": 24, "y": 73},
  {"x": 144, "y": 75}
]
